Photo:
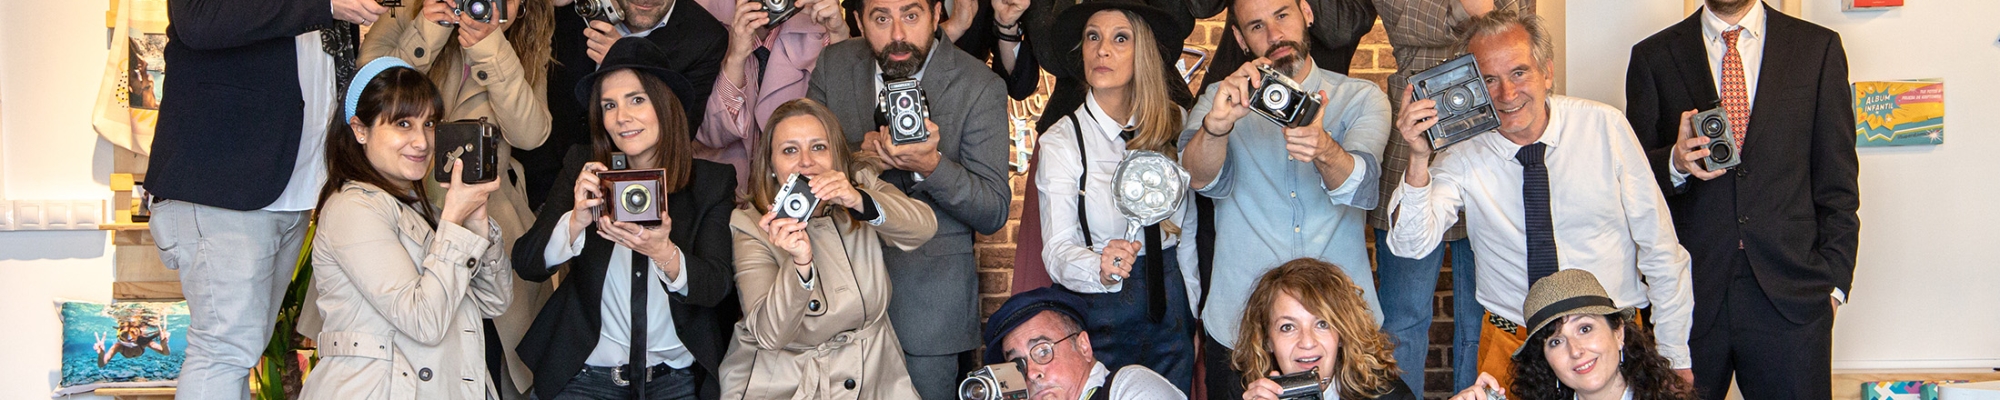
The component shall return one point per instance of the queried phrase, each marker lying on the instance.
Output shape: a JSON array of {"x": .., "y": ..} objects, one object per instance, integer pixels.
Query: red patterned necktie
[{"x": 1735, "y": 92}]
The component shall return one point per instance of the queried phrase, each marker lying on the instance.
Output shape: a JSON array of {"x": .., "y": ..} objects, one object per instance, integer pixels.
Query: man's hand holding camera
[
  {"x": 1418, "y": 116},
  {"x": 599, "y": 36},
  {"x": 1232, "y": 99},
  {"x": 360, "y": 12},
  {"x": 919, "y": 157},
  {"x": 465, "y": 203},
  {"x": 1691, "y": 149}
]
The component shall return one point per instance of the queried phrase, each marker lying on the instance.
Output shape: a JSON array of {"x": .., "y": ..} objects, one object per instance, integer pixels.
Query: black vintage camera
[
  {"x": 1463, "y": 108},
  {"x": 903, "y": 107},
  {"x": 1302, "y": 385},
  {"x": 1722, "y": 150},
  {"x": 635, "y": 194},
  {"x": 474, "y": 141},
  {"x": 600, "y": 10},
  {"x": 780, "y": 10},
  {"x": 795, "y": 200},
  {"x": 389, "y": 3},
  {"x": 484, "y": 11},
  {"x": 995, "y": 382},
  {"x": 1283, "y": 101}
]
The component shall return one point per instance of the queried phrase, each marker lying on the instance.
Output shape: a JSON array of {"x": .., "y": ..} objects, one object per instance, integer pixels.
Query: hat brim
[
  {"x": 1169, "y": 33},
  {"x": 1626, "y": 312}
]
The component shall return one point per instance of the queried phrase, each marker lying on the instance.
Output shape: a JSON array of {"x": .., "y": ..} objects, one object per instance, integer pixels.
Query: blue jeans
[{"x": 1406, "y": 289}]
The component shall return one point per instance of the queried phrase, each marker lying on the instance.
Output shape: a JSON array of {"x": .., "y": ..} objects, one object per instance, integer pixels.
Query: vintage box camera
[
  {"x": 475, "y": 141},
  {"x": 780, "y": 10},
  {"x": 1302, "y": 385},
  {"x": 599, "y": 10},
  {"x": 995, "y": 382},
  {"x": 1722, "y": 150},
  {"x": 484, "y": 11},
  {"x": 795, "y": 200},
  {"x": 903, "y": 107},
  {"x": 635, "y": 194},
  {"x": 1283, "y": 101},
  {"x": 1463, "y": 108}
]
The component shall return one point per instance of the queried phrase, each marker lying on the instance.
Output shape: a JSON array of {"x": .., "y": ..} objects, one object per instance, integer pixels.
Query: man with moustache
[
  {"x": 1550, "y": 153},
  {"x": 692, "y": 38},
  {"x": 1281, "y": 193},
  {"x": 960, "y": 170},
  {"x": 1041, "y": 332},
  {"x": 1775, "y": 249}
]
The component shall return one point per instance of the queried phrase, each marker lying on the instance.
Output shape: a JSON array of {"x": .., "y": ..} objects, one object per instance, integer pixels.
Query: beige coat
[
  {"x": 785, "y": 348},
  {"x": 494, "y": 86},
  {"x": 402, "y": 304}
]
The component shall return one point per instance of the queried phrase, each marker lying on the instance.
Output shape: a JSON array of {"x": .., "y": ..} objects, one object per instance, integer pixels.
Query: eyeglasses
[{"x": 1042, "y": 351}]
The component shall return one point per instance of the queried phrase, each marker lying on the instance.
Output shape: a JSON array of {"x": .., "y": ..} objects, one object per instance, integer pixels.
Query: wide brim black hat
[
  {"x": 637, "y": 54},
  {"x": 1169, "y": 33}
]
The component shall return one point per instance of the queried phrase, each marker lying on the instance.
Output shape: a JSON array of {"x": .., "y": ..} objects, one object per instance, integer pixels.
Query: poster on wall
[
  {"x": 1899, "y": 113},
  {"x": 128, "y": 97}
]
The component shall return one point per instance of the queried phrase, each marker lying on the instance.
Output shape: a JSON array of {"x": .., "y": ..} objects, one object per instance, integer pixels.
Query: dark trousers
[
  {"x": 1770, "y": 357},
  {"x": 1219, "y": 376},
  {"x": 680, "y": 384},
  {"x": 1121, "y": 333}
]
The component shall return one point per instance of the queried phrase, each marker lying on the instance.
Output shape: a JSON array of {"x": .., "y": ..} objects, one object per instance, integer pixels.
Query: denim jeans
[
  {"x": 679, "y": 384},
  {"x": 1406, "y": 289},
  {"x": 234, "y": 267}
]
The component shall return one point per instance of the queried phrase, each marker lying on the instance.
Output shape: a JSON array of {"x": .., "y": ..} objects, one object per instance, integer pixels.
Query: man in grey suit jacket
[{"x": 961, "y": 172}]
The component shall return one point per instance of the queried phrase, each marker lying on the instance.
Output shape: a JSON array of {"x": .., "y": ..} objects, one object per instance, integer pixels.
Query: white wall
[
  {"x": 51, "y": 55},
  {"x": 1926, "y": 290}
]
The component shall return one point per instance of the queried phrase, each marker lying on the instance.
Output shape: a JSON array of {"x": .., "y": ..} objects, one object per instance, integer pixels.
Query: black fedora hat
[
  {"x": 639, "y": 55},
  {"x": 1169, "y": 33}
]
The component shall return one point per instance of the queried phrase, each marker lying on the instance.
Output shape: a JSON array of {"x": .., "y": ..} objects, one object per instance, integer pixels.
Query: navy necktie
[{"x": 1541, "y": 227}]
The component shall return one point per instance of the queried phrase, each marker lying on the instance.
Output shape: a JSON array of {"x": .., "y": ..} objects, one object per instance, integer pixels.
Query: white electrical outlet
[{"x": 28, "y": 215}]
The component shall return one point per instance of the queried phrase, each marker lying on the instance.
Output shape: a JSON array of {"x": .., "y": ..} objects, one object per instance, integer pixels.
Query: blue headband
[{"x": 367, "y": 74}]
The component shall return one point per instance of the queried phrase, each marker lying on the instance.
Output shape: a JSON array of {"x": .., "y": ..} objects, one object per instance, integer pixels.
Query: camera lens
[
  {"x": 1275, "y": 97},
  {"x": 1459, "y": 99},
  {"x": 636, "y": 199},
  {"x": 1711, "y": 126},
  {"x": 975, "y": 389},
  {"x": 1720, "y": 152}
]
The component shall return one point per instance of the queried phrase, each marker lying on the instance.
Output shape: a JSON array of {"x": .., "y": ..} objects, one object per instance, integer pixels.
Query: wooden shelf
[{"x": 160, "y": 393}]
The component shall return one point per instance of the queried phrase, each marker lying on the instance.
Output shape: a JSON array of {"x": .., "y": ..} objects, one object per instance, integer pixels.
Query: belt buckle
[{"x": 618, "y": 376}]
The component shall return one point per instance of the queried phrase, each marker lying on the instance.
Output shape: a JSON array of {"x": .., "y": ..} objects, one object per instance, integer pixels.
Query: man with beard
[
  {"x": 691, "y": 36},
  {"x": 1773, "y": 245},
  {"x": 1551, "y": 153},
  {"x": 959, "y": 169},
  {"x": 1281, "y": 193}
]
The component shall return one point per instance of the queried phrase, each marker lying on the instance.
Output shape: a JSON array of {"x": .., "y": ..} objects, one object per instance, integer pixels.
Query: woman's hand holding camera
[
  {"x": 440, "y": 11},
  {"x": 1264, "y": 388},
  {"x": 465, "y": 203},
  {"x": 471, "y": 31},
  {"x": 652, "y": 242},
  {"x": 1479, "y": 388},
  {"x": 789, "y": 234},
  {"x": 1115, "y": 263},
  {"x": 829, "y": 15},
  {"x": 833, "y": 186},
  {"x": 589, "y": 194}
]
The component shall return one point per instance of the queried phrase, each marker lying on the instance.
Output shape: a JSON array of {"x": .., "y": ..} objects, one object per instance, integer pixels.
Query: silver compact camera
[
  {"x": 995, "y": 382},
  {"x": 795, "y": 200},
  {"x": 599, "y": 10},
  {"x": 1302, "y": 385},
  {"x": 1722, "y": 150},
  {"x": 1283, "y": 101},
  {"x": 903, "y": 107},
  {"x": 484, "y": 11},
  {"x": 779, "y": 10},
  {"x": 1463, "y": 108}
]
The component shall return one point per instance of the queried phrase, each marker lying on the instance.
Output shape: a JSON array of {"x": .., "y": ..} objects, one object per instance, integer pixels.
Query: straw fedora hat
[{"x": 1565, "y": 293}]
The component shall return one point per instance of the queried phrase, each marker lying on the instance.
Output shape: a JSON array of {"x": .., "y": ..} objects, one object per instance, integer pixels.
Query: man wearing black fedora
[{"x": 959, "y": 169}]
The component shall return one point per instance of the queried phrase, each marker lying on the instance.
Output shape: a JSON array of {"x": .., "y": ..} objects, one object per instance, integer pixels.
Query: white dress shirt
[
  {"x": 316, "y": 75},
  {"x": 1069, "y": 261},
  {"x": 614, "y": 332},
  {"x": 1134, "y": 382},
  {"x": 1608, "y": 213}
]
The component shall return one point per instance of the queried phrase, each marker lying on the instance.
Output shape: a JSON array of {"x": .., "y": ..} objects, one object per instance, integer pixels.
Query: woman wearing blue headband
[{"x": 402, "y": 285}]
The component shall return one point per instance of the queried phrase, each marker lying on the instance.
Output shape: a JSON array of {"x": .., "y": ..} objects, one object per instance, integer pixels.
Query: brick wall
[{"x": 1372, "y": 61}]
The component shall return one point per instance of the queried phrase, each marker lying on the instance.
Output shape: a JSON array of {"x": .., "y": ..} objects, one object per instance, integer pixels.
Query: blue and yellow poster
[{"x": 1898, "y": 113}]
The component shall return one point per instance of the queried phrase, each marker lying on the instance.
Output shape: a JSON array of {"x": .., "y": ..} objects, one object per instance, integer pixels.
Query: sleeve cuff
[
  {"x": 1675, "y": 174},
  {"x": 1677, "y": 356},
  {"x": 1840, "y": 296},
  {"x": 869, "y": 211},
  {"x": 679, "y": 284},
  {"x": 556, "y": 252},
  {"x": 1351, "y": 191},
  {"x": 806, "y": 281}
]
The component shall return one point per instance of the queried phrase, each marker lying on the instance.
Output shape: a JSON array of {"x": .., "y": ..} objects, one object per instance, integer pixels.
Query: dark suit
[
  {"x": 566, "y": 330},
  {"x": 1774, "y": 237},
  {"x": 935, "y": 304},
  {"x": 692, "y": 38},
  {"x": 230, "y": 136}
]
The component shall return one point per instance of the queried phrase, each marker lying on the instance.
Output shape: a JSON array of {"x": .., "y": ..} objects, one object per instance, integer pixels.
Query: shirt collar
[
  {"x": 1752, "y": 23},
  {"x": 1096, "y": 382},
  {"x": 1552, "y": 135},
  {"x": 663, "y": 22},
  {"x": 1109, "y": 127}
]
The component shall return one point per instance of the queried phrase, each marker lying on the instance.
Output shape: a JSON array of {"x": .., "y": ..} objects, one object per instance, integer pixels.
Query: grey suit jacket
[{"x": 934, "y": 303}]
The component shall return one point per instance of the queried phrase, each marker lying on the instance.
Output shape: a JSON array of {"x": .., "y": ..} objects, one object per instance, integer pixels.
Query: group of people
[{"x": 1603, "y": 265}]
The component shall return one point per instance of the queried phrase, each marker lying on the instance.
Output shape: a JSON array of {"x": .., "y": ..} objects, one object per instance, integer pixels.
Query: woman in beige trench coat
[{"x": 815, "y": 294}]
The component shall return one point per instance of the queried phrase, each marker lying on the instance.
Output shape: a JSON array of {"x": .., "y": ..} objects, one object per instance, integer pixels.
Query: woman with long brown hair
[
  {"x": 1307, "y": 315},
  {"x": 1138, "y": 291},
  {"x": 1581, "y": 346}
]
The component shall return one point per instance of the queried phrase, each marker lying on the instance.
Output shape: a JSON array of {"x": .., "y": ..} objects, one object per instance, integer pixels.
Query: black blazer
[
  {"x": 230, "y": 135},
  {"x": 1792, "y": 202},
  {"x": 567, "y": 328},
  {"x": 692, "y": 38}
]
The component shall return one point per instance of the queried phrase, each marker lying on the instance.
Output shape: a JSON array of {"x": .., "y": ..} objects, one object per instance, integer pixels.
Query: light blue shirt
[{"x": 1270, "y": 209}]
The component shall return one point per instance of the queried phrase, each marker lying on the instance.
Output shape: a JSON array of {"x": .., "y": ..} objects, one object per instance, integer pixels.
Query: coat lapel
[{"x": 1690, "y": 56}]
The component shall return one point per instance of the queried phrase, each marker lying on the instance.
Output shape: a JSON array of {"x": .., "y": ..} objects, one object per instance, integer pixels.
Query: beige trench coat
[
  {"x": 832, "y": 341},
  {"x": 485, "y": 80},
  {"x": 402, "y": 304}
]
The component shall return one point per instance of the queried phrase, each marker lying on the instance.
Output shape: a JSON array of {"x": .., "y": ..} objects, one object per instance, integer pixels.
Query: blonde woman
[
  {"x": 1307, "y": 315},
  {"x": 1137, "y": 291},
  {"x": 814, "y": 291}
]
